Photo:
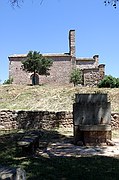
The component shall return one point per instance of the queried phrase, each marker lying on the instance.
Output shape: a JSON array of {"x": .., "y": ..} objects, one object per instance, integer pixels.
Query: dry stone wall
[
  {"x": 115, "y": 120},
  {"x": 35, "y": 120},
  {"x": 10, "y": 120}
]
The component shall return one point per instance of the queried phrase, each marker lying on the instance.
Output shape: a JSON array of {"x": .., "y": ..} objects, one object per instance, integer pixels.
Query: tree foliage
[
  {"x": 8, "y": 81},
  {"x": 109, "y": 82},
  {"x": 111, "y": 2},
  {"x": 18, "y": 2},
  {"x": 37, "y": 64},
  {"x": 106, "y": 2},
  {"x": 76, "y": 77}
]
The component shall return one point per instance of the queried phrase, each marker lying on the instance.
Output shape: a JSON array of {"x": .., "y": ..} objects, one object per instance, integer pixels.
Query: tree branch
[
  {"x": 17, "y": 2},
  {"x": 112, "y": 2}
]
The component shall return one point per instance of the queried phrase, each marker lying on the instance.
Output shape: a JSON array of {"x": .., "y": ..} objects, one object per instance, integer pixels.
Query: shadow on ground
[{"x": 57, "y": 167}]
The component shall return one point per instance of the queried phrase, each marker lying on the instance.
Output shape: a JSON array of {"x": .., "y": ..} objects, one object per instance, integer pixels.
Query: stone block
[
  {"x": 91, "y": 113},
  {"x": 8, "y": 173},
  {"x": 100, "y": 127},
  {"x": 96, "y": 137},
  {"x": 90, "y": 98}
]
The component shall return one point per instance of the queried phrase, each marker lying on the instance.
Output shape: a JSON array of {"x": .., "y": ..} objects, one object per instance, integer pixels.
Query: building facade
[{"x": 92, "y": 71}]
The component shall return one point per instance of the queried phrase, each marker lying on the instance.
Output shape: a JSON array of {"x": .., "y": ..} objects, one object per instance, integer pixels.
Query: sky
[{"x": 45, "y": 28}]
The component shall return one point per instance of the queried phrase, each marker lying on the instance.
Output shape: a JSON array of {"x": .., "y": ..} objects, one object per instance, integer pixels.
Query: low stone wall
[
  {"x": 42, "y": 119},
  {"x": 115, "y": 120},
  {"x": 35, "y": 120}
]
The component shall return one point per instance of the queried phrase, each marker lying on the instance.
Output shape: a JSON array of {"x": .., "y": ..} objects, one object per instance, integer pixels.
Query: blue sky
[{"x": 45, "y": 28}]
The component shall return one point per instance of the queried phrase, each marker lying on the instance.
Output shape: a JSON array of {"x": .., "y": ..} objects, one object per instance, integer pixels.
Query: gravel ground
[{"x": 65, "y": 148}]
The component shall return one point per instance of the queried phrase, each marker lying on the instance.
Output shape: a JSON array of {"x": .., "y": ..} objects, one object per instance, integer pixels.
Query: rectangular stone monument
[{"x": 92, "y": 118}]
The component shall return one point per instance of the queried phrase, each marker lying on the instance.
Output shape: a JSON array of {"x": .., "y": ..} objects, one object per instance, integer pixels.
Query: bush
[
  {"x": 76, "y": 77},
  {"x": 8, "y": 81},
  {"x": 109, "y": 82},
  {"x": 117, "y": 82}
]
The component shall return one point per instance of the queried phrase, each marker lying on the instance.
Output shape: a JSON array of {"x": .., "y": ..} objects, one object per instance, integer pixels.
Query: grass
[
  {"x": 60, "y": 168},
  {"x": 115, "y": 134},
  {"x": 49, "y": 98}
]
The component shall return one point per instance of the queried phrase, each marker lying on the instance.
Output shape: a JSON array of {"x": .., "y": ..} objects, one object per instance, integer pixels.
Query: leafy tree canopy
[
  {"x": 36, "y": 63},
  {"x": 106, "y": 2},
  {"x": 18, "y": 2},
  {"x": 109, "y": 82},
  {"x": 111, "y": 2},
  {"x": 8, "y": 81}
]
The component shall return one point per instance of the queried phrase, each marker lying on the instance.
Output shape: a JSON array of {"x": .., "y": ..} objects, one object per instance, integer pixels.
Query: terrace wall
[{"x": 10, "y": 120}]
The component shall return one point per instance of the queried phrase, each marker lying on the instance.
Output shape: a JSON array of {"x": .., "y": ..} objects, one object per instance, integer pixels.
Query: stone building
[{"x": 92, "y": 71}]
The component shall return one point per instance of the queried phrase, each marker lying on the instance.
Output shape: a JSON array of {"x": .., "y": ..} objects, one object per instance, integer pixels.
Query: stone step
[{"x": 8, "y": 173}]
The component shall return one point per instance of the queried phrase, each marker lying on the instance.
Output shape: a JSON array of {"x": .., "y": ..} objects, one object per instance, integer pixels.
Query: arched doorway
[{"x": 35, "y": 79}]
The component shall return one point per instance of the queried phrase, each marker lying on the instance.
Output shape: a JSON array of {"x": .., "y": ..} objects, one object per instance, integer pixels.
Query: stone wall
[
  {"x": 91, "y": 77},
  {"x": 59, "y": 72},
  {"x": 85, "y": 64},
  {"x": 15, "y": 71},
  {"x": 115, "y": 120},
  {"x": 35, "y": 120},
  {"x": 42, "y": 119}
]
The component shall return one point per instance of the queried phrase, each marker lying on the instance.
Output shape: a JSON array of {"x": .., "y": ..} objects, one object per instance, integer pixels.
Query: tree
[
  {"x": 8, "y": 81},
  {"x": 36, "y": 64},
  {"x": 106, "y": 2},
  {"x": 117, "y": 82},
  {"x": 17, "y": 2},
  {"x": 76, "y": 77},
  {"x": 112, "y": 2},
  {"x": 109, "y": 82}
]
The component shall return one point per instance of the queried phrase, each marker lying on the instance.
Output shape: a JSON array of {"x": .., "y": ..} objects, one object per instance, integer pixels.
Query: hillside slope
[{"x": 50, "y": 98}]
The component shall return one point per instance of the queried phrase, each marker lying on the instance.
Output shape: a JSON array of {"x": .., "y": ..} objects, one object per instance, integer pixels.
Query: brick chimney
[{"x": 72, "y": 48}]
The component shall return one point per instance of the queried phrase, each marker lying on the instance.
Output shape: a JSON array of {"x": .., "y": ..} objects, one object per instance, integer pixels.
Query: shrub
[
  {"x": 109, "y": 82},
  {"x": 117, "y": 82},
  {"x": 76, "y": 77},
  {"x": 8, "y": 81}
]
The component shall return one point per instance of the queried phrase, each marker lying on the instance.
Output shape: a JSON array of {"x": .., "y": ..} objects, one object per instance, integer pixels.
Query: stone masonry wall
[
  {"x": 15, "y": 71},
  {"x": 115, "y": 120},
  {"x": 91, "y": 77},
  {"x": 59, "y": 72},
  {"x": 85, "y": 64},
  {"x": 42, "y": 119},
  {"x": 35, "y": 120}
]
